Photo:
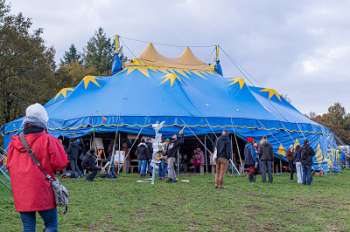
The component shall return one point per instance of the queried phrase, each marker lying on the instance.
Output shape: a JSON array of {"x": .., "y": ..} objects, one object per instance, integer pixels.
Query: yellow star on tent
[
  {"x": 89, "y": 79},
  {"x": 319, "y": 156},
  {"x": 238, "y": 80},
  {"x": 63, "y": 92},
  {"x": 171, "y": 77},
  {"x": 296, "y": 143},
  {"x": 281, "y": 150},
  {"x": 142, "y": 70},
  {"x": 200, "y": 74},
  {"x": 272, "y": 92},
  {"x": 183, "y": 73}
]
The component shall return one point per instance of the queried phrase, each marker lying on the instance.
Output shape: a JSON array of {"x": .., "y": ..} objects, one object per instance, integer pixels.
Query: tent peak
[{"x": 150, "y": 57}]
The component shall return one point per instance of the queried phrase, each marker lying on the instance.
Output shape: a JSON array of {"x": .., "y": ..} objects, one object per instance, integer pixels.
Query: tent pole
[
  {"x": 231, "y": 152},
  {"x": 239, "y": 152},
  {"x": 199, "y": 140},
  {"x": 205, "y": 154},
  {"x": 178, "y": 162},
  {"x": 137, "y": 137},
  {"x": 111, "y": 166}
]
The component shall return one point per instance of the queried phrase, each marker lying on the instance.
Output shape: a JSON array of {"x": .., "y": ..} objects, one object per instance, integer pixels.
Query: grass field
[{"x": 125, "y": 205}]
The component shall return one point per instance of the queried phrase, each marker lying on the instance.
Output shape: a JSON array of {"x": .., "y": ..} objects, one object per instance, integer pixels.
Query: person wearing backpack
[
  {"x": 250, "y": 159},
  {"x": 32, "y": 192}
]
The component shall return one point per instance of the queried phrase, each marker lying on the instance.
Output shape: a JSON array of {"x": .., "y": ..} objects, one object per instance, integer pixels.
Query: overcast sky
[{"x": 300, "y": 48}]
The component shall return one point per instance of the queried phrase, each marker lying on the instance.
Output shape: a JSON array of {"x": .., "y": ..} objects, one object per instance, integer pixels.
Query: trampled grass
[{"x": 126, "y": 205}]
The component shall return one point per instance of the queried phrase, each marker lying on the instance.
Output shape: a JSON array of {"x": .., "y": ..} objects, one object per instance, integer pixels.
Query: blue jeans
[
  {"x": 143, "y": 167},
  {"x": 266, "y": 167},
  {"x": 49, "y": 217},
  {"x": 307, "y": 175},
  {"x": 162, "y": 169}
]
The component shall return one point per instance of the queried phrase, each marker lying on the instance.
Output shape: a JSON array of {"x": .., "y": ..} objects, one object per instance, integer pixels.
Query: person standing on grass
[
  {"x": 73, "y": 154},
  {"x": 298, "y": 166},
  {"x": 307, "y": 154},
  {"x": 223, "y": 148},
  {"x": 142, "y": 154},
  {"x": 266, "y": 152},
  {"x": 250, "y": 159},
  {"x": 290, "y": 158},
  {"x": 32, "y": 192},
  {"x": 171, "y": 154}
]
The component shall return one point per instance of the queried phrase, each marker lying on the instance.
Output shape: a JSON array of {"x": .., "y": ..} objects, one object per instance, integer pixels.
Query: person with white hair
[
  {"x": 32, "y": 191},
  {"x": 266, "y": 153}
]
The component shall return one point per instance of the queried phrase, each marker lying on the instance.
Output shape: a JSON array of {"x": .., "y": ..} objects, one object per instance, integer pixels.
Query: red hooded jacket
[{"x": 31, "y": 189}]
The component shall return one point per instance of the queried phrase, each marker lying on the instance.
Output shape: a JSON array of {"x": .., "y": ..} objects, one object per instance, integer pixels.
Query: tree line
[
  {"x": 29, "y": 73},
  {"x": 336, "y": 119}
]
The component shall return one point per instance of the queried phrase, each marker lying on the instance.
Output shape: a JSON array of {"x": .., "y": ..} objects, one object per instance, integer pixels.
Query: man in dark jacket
[
  {"x": 74, "y": 149},
  {"x": 266, "y": 153},
  {"x": 224, "y": 153},
  {"x": 89, "y": 163},
  {"x": 150, "y": 152},
  {"x": 171, "y": 154},
  {"x": 307, "y": 154},
  {"x": 142, "y": 153}
]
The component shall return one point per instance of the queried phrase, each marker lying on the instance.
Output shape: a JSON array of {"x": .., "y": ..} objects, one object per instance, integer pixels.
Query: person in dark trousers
[
  {"x": 89, "y": 163},
  {"x": 250, "y": 159},
  {"x": 290, "y": 158},
  {"x": 266, "y": 152},
  {"x": 223, "y": 148},
  {"x": 150, "y": 153},
  {"x": 171, "y": 154},
  {"x": 142, "y": 153},
  {"x": 307, "y": 154},
  {"x": 73, "y": 151},
  {"x": 298, "y": 166}
]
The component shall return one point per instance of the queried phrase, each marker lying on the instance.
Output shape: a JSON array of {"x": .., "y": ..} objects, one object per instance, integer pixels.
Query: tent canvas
[{"x": 182, "y": 92}]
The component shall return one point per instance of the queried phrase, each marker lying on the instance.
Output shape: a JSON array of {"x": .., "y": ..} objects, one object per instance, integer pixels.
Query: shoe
[{"x": 169, "y": 180}]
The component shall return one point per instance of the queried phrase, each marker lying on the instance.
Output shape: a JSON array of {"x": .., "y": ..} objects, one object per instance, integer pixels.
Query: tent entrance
[{"x": 207, "y": 145}]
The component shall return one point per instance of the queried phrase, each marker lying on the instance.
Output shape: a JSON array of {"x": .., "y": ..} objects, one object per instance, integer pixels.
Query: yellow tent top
[{"x": 151, "y": 58}]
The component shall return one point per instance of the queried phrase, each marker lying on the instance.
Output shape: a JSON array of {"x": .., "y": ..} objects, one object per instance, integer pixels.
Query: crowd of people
[
  {"x": 261, "y": 156},
  {"x": 52, "y": 155}
]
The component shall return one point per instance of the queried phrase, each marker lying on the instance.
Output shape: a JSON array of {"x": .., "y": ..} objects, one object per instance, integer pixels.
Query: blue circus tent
[{"x": 182, "y": 92}]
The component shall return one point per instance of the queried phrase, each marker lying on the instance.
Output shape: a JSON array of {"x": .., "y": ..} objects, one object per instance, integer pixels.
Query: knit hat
[
  {"x": 250, "y": 139},
  {"x": 36, "y": 115}
]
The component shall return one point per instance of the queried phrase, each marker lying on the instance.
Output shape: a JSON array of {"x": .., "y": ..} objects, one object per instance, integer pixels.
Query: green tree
[
  {"x": 337, "y": 120},
  {"x": 70, "y": 56},
  {"x": 26, "y": 65},
  {"x": 99, "y": 53},
  {"x": 69, "y": 75}
]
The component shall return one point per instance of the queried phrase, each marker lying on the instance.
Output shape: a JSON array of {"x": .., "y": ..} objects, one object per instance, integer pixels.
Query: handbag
[{"x": 61, "y": 193}]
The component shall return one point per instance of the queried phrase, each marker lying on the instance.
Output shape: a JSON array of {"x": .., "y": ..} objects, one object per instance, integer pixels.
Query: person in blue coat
[{"x": 250, "y": 159}]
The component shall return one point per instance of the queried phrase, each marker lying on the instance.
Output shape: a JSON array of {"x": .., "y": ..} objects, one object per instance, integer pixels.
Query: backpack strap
[{"x": 32, "y": 155}]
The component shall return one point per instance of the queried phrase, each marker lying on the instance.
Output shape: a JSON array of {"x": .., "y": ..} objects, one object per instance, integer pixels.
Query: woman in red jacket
[{"x": 32, "y": 192}]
